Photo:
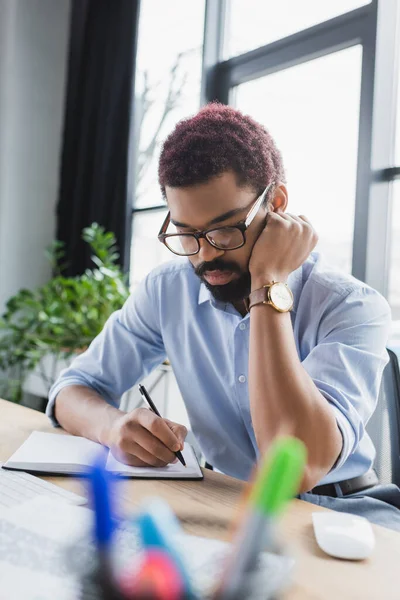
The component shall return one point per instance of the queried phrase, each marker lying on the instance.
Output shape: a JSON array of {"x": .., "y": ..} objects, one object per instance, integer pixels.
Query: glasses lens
[
  {"x": 184, "y": 245},
  {"x": 226, "y": 238}
]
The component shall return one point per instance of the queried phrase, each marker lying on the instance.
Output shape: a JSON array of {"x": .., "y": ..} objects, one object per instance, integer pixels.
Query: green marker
[{"x": 277, "y": 482}]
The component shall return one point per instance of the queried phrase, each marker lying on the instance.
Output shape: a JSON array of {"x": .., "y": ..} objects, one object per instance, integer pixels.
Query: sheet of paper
[
  {"x": 34, "y": 540},
  {"x": 177, "y": 470},
  {"x": 17, "y": 487},
  {"x": 53, "y": 449},
  {"x": 24, "y": 583},
  {"x": 56, "y": 521}
]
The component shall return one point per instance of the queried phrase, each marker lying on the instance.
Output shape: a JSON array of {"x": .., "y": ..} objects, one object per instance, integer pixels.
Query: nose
[{"x": 207, "y": 252}]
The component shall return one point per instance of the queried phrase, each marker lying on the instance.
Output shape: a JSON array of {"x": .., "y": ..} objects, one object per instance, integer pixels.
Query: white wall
[{"x": 33, "y": 60}]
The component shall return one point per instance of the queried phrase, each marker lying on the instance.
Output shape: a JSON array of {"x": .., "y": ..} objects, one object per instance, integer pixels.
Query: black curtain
[{"x": 99, "y": 94}]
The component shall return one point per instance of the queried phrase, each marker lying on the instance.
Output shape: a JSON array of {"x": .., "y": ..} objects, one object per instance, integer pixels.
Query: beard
[{"x": 233, "y": 291}]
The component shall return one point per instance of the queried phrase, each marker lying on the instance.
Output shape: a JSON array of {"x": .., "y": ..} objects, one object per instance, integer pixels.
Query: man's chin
[{"x": 233, "y": 291}]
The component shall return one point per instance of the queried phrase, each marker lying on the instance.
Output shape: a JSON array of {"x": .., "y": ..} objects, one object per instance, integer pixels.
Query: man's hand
[
  {"x": 283, "y": 245},
  {"x": 140, "y": 438}
]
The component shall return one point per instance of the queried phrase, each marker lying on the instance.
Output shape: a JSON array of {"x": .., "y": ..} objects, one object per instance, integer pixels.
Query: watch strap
[{"x": 259, "y": 296}]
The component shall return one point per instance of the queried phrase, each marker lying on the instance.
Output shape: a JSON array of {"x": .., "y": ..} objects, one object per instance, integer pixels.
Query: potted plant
[{"x": 43, "y": 329}]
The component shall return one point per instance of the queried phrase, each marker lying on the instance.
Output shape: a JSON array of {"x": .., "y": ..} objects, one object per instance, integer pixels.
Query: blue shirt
[{"x": 340, "y": 327}]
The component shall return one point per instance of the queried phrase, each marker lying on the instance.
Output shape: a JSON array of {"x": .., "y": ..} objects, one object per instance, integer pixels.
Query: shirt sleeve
[
  {"x": 348, "y": 360},
  {"x": 129, "y": 347}
]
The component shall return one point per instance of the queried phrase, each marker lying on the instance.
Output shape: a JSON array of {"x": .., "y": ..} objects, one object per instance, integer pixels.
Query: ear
[{"x": 279, "y": 200}]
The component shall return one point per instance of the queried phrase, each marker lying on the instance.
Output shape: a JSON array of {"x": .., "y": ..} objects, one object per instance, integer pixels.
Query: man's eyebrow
[{"x": 224, "y": 217}]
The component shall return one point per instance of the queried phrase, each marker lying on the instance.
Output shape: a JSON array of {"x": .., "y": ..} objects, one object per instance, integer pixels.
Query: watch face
[{"x": 281, "y": 296}]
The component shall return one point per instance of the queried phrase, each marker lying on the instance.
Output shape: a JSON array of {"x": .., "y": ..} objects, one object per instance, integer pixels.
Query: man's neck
[{"x": 240, "y": 307}]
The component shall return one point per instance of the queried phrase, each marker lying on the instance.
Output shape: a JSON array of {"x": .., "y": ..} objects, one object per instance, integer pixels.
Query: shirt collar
[
  {"x": 294, "y": 282},
  {"x": 204, "y": 294}
]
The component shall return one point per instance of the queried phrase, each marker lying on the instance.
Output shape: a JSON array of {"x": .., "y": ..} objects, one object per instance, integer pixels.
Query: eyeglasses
[{"x": 231, "y": 237}]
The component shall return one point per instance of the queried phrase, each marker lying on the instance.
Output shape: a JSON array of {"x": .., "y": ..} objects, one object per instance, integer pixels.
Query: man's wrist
[
  {"x": 259, "y": 281},
  {"x": 110, "y": 416}
]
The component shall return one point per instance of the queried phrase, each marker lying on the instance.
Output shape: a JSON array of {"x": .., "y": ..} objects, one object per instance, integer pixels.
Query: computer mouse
[{"x": 343, "y": 535}]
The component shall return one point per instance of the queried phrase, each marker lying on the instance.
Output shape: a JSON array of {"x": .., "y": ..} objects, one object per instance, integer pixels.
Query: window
[
  {"x": 312, "y": 112},
  {"x": 254, "y": 23},
  {"x": 306, "y": 90},
  {"x": 394, "y": 272},
  {"x": 397, "y": 153},
  {"x": 394, "y": 275},
  {"x": 146, "y": 250},
  {"x": 168, "y": 79}
]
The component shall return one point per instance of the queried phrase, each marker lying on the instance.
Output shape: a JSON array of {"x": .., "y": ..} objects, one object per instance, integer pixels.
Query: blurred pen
[
  {"x": 100, "y": 487},
  {"x": 159, "y": 529},
  {"x": 157, "y": 578},
  {"x": 277, "y": 482},
  {"x": 153, "y": 407}
]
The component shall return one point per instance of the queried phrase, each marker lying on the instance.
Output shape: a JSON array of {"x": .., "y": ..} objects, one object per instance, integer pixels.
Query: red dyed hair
[{"x": 219, "y": 138}]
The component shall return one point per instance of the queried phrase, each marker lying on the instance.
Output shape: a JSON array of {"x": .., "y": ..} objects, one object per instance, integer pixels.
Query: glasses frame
[{"x": 242, "y": 226}]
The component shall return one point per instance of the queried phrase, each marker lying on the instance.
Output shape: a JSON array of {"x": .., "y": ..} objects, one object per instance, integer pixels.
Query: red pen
[{"x": 156, "y": 578}]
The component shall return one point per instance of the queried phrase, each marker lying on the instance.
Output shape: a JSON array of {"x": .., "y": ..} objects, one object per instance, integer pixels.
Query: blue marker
[
  {"x": 100, "y": 482},
  {"x": 158, "y": 527}
]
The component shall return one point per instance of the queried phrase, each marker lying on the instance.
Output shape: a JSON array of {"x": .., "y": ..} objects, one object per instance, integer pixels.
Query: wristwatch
[{"x": 277, "y": 294}]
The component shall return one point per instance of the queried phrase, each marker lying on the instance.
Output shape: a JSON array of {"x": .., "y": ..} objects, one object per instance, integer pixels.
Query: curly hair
[{"x": 219, "y": 138}]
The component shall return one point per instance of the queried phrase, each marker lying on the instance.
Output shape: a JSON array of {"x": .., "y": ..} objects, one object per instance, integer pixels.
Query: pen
[
  {"x": 153, "y": 407},
  {"x": 157, "y": 578},
  {"x": 277, "y": 482},
  {"x": 159, "y": 529},
  {"x": 100, "y": 487}
]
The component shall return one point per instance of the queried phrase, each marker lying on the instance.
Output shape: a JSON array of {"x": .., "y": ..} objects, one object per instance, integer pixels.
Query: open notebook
[{"x": 72, "y": 455}]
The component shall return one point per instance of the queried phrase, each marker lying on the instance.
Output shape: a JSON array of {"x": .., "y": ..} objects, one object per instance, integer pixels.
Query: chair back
[{"x": 384, "y": 425}]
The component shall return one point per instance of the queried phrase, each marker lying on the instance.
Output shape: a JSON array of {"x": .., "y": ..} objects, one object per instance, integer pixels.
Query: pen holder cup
[
  {"x": 268, "y": 580},
  {"x": 271, "y": 575}
]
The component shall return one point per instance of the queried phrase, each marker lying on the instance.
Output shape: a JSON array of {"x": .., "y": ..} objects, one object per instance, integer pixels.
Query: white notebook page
[
  {"x": 51, "y": 452},
  {"x": 176, "y": 470},
  {"x": 53, "y": 449}
]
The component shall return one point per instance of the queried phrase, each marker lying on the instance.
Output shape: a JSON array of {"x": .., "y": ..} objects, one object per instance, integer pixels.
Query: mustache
[{"x": 217, "y": 265}]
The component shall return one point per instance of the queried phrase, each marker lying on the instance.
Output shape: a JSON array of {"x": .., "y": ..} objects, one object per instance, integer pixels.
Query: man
[{"x": 263, "y": 337}]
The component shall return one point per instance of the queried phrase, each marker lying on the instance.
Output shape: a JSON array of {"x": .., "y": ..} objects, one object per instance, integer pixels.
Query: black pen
[{"x": 153, "y": 407}]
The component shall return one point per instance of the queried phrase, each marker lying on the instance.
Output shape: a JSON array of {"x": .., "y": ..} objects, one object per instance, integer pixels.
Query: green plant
[{"x": 64, "y": 315}]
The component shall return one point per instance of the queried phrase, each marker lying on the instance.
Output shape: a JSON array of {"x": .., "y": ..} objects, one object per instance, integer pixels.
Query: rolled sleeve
[
  {"x": 347, "y": 362},
  {"x": 348, "y": 437},
  {"x": 129, "y": 348}
]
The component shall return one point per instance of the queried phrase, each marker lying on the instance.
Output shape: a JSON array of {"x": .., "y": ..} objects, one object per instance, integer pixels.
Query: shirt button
[
  {"x": 242, "y": 378},
  {"x": 242, "y": 326}
]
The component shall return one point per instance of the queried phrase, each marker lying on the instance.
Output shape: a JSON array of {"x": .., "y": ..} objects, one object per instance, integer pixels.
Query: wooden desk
[{"x": 208, "y": 506}]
